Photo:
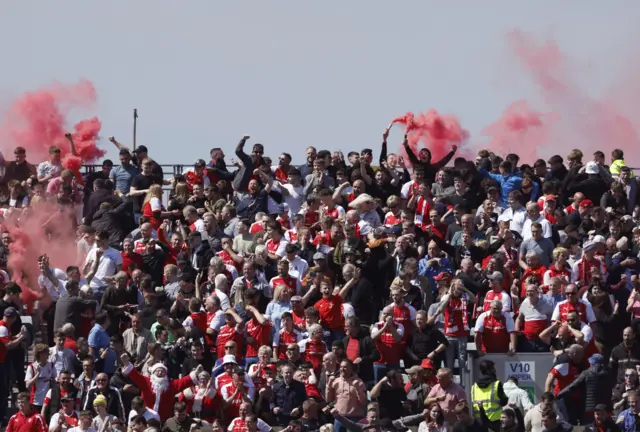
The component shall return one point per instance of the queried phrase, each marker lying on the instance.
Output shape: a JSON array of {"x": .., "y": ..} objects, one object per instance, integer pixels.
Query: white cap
[{"x": 229, "y": 359}]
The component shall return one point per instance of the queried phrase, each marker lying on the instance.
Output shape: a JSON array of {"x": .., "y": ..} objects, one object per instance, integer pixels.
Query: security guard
[{"x": 488, "y": 391}]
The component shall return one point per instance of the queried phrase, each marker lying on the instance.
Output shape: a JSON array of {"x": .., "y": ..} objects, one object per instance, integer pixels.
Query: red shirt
[
  {"x": 313, "y": 352},
  {"x": 260, "y": 332},
  {"x": 5, "y": 337},
  {"x": 256, "y": 227},
  {"x": 299, "y": 320},
  {"x": 233, "y": 410},
  {"x": 286, "y": 338},
  {"x": 391, "y": 351},
  {"x": 352, "y": 350},
  {"x": 565, "y": 374},
  {"x": 71, "y": 344},
  {"x": 495, "y": 333},
  {"x": 290, "y": 282},
  {"x": 330, "y": 310},
  {"x": 404, "y": 315},
  {"x": 127, "y": 260},
  {"x": 311, "y": 218},
  {"x": 285, "y": 224},
  {"x": 226, "y": 334},
  {"x": 32, "y": 423}
]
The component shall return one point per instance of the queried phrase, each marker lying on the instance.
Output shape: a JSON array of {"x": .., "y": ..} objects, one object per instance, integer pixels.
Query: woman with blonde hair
[
  {"x": 152, "y": 206},
  {"x": 280, "y": 303},
  {"x": 559, "y": 268}
]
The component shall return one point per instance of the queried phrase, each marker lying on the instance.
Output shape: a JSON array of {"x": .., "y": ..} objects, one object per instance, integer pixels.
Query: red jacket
[
  {"x": 167, "y": 399},
  {"x": 21, "y": 423}
]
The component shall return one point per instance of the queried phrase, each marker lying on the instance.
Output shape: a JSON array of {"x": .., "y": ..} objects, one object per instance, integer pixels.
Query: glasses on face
[{"x": 628, "y": 375}]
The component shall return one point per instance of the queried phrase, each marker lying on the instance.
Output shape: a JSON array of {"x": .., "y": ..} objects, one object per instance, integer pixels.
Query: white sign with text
[{"x": 524, "y": 371}]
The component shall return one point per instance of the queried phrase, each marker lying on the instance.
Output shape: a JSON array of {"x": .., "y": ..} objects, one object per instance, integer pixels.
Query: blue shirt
[
  {"x": 99, "y": 339},
  {"x": 122, "y": 177}
]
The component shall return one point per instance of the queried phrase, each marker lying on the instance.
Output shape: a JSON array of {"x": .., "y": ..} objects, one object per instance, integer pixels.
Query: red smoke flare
[
  {"x": 36, "y": 121},
  {"x": 437, "y": 132},
  {"x": 582, "y": 120}
]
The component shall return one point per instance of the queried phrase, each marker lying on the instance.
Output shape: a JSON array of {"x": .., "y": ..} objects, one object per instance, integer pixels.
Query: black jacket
[
  {"x": 287, "y": 398},
  {"x": 98, "y": 197},
  {"x": 624, "y": 358},
  {"x": 114, "y": 401},
  {"x": 425, "y": 341},
  {"x": 367, "y": 351},
  {"x": 608, "y": 426},
  {"x": 54, "y": 404},
  {"x": 117, "y": 221},
  {"x": 597, "y": 387}
]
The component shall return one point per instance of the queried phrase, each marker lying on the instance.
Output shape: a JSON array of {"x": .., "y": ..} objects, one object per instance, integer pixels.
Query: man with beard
[
  {"x": 157, "y": 391},
  {"x": 626, "y": 355}
]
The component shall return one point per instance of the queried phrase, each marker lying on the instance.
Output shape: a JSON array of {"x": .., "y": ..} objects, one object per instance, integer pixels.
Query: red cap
[
  {"x": 427, "y": 364},
  {"x": 271, "y": 367},
  {"x": 550, "y": 197},
  {"x": 585, "y": 203},
  {"x": 442, "y": 276}
]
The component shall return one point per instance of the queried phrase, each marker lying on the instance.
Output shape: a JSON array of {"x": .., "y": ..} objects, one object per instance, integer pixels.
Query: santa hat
[{"x": 157, "y": 366}]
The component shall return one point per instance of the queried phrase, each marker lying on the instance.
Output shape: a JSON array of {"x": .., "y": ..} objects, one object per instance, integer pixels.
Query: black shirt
[
  {"x": 390, "y": 401},
  {"x": 142, "y": 182},
  {"x": 17, "y": 325}
]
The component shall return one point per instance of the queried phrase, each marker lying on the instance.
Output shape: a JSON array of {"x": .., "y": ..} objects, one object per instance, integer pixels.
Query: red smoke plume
[
  {"x": 437, "y": 132},
  {"x": 36, "y": 121},
  {"x": 578, "y": 120}
]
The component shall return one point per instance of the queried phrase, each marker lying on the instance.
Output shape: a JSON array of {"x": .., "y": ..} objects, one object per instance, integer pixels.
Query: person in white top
[
  {"x": 492, "y": 343},
  {"x": 138, "y": 408},
  {"x": 297, "y": 266},
  {"x": 293, "y": 192},
  {"x": 84, "y": 425},
  {"x": 61, "y": 357},
  {"x": 39, "y": 375},
  {"x": 245, "y": 416},
  {"x": 533, "y": 215},
  {"x": 102, "y": 263},
  {"x": 222, "y": 291},
  {"x": 213, "y": 307}
]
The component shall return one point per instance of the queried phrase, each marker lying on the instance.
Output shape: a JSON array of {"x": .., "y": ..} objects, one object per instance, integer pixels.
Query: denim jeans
[
  {"x": 380, "y": 370},
  {"x": 457, "y": 345}
]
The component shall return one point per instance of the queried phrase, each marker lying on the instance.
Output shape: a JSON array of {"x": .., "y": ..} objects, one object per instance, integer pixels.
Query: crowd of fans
[{"x": 331, "y": 295}]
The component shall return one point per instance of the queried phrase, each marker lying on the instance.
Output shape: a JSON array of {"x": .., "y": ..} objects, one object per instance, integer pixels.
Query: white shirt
[
  {"x": 508, "y": 322},
  {"x": 224, "y": 299},
  {"x": 42, "y": 384},
  {"x": 45, "y": 283},
  {"x": 61, "y": 359},
  {"x": 298, "y": 267},
  {"x": 295, "y": 198},
  {"x": 148, "y": 415},
  {"x": 261, "y": 426},
  {"x": 79, "y": 429},
  {"x": 546, "y": 228},
  {"x": 591, "y": 317},
  {"x": 108, "y": 266},
  {"x": 53, "y": 423},
  {"x": 217, "y": 321},
  {"x": 516, "y": 218}
]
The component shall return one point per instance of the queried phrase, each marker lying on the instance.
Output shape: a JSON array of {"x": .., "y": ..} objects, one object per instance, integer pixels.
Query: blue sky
[{"x": 293, "y": 74}]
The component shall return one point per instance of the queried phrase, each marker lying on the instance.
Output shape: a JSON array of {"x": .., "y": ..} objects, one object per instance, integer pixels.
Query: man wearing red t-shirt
[
  {"x": 288, "y": 334},
  {"x": 495, "y": 332},
  {"x": 313, "y": 348},
  {"x": 388, "y": 337},
  {"x": 283, "y": 278},
  {"x": 330, "y": 310},
  {"x": 235, "y": 393},
  {"x": 258, "y": 333},
  {"x": 233, "y": 329}
]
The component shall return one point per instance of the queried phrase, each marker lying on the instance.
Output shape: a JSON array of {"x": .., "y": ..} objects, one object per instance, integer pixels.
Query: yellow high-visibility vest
[{"x": 490, "y": 401}]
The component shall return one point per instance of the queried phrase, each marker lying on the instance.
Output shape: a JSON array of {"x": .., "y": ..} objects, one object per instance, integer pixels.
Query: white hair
[{"x": 221, "y": 282}]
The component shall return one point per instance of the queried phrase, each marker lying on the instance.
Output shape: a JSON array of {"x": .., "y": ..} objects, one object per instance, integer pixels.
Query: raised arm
[{"x": 117, "y": 144}]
